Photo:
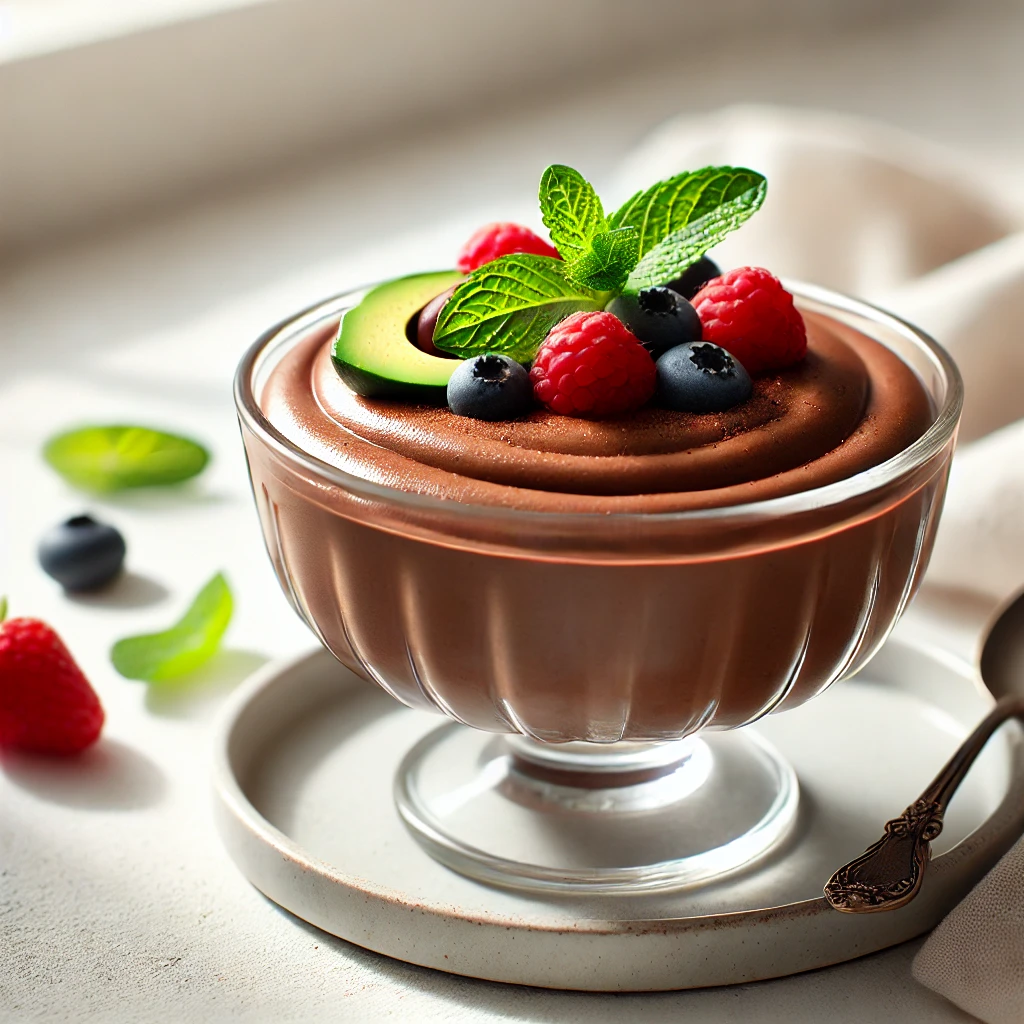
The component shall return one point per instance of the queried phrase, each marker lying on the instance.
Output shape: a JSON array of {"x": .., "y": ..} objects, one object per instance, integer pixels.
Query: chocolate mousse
[
  {"x": 849, "y": 405},
  {"x": 576, "y": 525}
]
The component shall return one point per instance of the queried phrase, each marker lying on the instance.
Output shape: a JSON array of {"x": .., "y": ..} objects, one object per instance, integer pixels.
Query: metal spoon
[{"x": 889, "y": 873}]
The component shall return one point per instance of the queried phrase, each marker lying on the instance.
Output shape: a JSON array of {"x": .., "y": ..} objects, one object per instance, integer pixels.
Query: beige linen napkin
[{"x": 870, "y": 211}]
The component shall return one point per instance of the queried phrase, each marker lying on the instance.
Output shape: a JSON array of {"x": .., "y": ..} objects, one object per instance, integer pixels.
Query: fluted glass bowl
[{"x": 603, "y": 640}]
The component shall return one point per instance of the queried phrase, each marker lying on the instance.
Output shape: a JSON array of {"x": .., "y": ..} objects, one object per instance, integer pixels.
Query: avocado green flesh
[{"x": 372, "y": 353}]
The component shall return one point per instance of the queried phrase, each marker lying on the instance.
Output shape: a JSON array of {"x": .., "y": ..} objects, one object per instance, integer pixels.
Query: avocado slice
[{"x": 372, "y": 353}]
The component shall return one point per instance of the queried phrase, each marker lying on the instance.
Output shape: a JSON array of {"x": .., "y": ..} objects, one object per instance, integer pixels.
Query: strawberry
[{"x": 46, "y": 704}]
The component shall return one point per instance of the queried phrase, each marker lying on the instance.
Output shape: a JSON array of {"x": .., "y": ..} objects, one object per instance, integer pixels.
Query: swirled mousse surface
[{"x": 851, "y": 404}]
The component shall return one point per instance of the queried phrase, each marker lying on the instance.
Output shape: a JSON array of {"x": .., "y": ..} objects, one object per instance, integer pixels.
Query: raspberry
[
  {"x": 501, "y": 239},
  {"x": 590, "y": 365},
  {"x": 46, "y": 703},
  {"x": 751, "y": 315}
]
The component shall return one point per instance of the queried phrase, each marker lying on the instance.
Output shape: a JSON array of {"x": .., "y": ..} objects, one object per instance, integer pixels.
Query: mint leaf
[
  {"x": 509, "y": 305},
  {"x": 571, "y": 210},
  {"x": 712, "y": 201},
  {"x": 606, "y": 265},
  {"x": 670, "y": 257},
  {"x": 189, "y": 643},
  {"x": 105, "y": 459}
]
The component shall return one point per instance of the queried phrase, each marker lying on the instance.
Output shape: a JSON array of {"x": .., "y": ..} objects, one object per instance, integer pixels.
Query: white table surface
[{"x": 116, "y": 899}]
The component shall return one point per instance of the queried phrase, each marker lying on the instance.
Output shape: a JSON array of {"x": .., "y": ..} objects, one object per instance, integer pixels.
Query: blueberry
[
  {"x": 490, "y": 387},
  {"x": 659, "y": 317},
  {"x": 82, "y": 554},
  {"x": 694, "y": 277},
  {"x": 701, "y": 377}
]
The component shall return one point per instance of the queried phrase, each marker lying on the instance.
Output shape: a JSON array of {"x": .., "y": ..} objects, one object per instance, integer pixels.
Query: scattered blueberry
[
  {"x": 694, "y": 277},
  {"x": 82, "y": 554},
  {"x": 490, "y": 387},
  {"x": 701, "y": 377},
  {"x": 659, "y": 317}
]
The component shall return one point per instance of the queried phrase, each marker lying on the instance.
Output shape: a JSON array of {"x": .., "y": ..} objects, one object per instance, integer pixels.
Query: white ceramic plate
[{"x": 304, "y": 764}]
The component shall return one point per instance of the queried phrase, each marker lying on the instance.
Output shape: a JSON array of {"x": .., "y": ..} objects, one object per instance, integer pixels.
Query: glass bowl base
[{"x": 595, "y": 818}]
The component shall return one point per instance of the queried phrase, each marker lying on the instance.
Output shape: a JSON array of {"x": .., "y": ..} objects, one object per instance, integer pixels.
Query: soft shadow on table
[
  {"x": 192, "y": 696},
  {"x": 109, "y": 776},
  {"x": 874, "y": 988},
  {"x": 188, "y": 496},
  {"x": 129, "y": 590}
]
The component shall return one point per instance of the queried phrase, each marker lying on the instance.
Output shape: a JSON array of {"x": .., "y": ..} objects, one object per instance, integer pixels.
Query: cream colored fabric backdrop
[{"x": 870, "y": 211}]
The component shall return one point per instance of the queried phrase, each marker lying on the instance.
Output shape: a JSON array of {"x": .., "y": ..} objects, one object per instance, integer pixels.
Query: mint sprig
[
  {"x": 104, "y": 459},
  {"x": 509, "y": 305},
  {"x": 188, "y": 644}
]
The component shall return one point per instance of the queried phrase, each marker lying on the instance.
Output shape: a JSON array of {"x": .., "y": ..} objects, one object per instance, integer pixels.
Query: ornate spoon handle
[{"x": 888, "y": 874}]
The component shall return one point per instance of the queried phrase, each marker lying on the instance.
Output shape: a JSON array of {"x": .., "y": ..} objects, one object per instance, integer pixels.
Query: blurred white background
[{"x": 110, "y": 109}]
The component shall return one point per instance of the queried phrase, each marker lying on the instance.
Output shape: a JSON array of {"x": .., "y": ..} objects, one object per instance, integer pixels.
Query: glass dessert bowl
[
  {"x": 612, "y": 647},
  {"x": 683, "y": 517}
]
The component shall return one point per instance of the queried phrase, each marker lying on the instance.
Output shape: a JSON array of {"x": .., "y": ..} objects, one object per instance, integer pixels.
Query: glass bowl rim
[{"x": 928, "y": 445}]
